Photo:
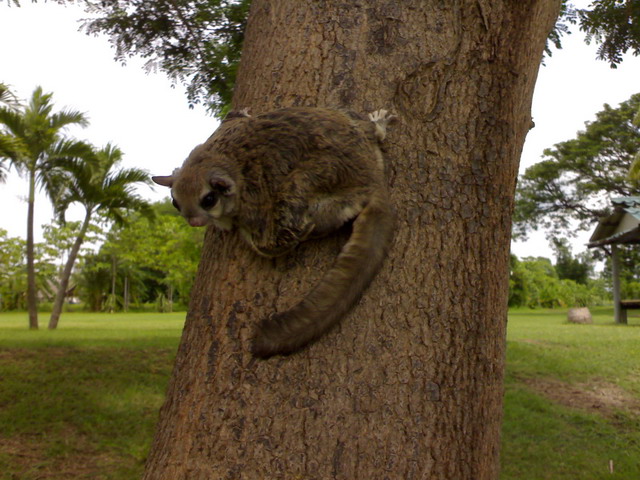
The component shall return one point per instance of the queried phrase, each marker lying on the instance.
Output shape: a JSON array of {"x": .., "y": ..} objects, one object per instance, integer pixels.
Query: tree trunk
[
  {"x": 63, "y": 284},
  {"x": 32, "y": 293},
  {"x": 125, "y": 300},
  {"x": 410, "y": 384}
]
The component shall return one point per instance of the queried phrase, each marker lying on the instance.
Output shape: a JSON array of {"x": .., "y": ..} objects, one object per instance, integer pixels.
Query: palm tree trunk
[
  {"x": 32, "y": 297},
  {"x": 66, "y": 273}
]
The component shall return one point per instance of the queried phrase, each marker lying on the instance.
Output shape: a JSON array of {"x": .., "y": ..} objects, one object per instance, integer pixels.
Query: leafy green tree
[
  {"x": 59, "y": 239},
  {"x": 166, "y": 248},
  {"x": 12, "y": 273},
  {"x": 566, "y": 17},
  {"x": 37, "y": 146},
  {"x": 91, "y": 181},
  {"x": 197, "y": 43},
  {"x": 146, "y": 260},
  {"x": 93, "y": 277},
  {"x": 578, "y": 268},
  {"x": 518, "y": 288},
  {"x": 576, "y": 180},
  {"x": 629, "y": 258},
  {"x": 614, "y": 25},
  {"x": 634, "y": 171},
  {"x": 535, "y": 282}
]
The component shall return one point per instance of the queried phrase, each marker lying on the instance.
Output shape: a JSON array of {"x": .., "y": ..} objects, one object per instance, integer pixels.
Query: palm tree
[
  {"x": 92, "y": 182},
  {"x": 36, "y": 144}
]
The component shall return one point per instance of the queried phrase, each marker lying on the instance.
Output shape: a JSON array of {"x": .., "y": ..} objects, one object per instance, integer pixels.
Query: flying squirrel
[{"x": 287, "y": 176}]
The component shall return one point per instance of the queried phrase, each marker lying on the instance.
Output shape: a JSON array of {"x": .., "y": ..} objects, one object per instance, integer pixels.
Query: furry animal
[{"x": 287, "y": 176}]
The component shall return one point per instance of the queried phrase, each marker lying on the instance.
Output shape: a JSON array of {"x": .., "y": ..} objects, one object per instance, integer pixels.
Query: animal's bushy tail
[{"x": 340, "y": 288}]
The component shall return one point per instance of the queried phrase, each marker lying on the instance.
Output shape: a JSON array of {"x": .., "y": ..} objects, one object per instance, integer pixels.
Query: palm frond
[
  {"x": 110, "y": 153},
  {"x": 13, "y": 122},
  {"x": 12, "y": 148},
  {"x": 88, "y": 177},
  {"x": 8, "y": 97},
  {"x": 4, "y": 168},
  {"x": 68, "y": 117},
  {"x": 64, "y": 155},
  {"x": 71, "y": 149},
  {"x": 126, "y": 178},
  {"x": 40, "y": 104}
]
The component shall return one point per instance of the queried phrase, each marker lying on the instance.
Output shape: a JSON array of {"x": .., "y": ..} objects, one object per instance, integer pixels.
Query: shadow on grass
[{"x": 91, "y": 411}]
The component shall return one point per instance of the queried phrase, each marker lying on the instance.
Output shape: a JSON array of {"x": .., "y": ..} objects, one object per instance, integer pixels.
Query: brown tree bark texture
[{"x": 409, "y": 386}]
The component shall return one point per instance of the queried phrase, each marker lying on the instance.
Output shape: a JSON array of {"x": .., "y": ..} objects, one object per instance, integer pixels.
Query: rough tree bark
[{"x": 409, "y": 386}]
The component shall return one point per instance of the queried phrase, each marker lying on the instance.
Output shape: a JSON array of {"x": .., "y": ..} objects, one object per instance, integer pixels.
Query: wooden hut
[{"x": 622, "y": 226}]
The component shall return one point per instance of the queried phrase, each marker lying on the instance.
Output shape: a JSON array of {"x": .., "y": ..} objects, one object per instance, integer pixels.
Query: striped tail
[{"x": 338, "y": 291}]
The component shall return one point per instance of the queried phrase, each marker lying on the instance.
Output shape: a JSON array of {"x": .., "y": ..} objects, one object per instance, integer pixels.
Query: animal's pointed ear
[
  {"x": 165, "y": 181},
  {"x": 223, "y": 184}
]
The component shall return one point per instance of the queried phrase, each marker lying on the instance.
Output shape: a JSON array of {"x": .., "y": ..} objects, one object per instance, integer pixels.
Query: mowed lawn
[
  {"x": 81, "y": 402},
  {"x": 572, "y": 397}
]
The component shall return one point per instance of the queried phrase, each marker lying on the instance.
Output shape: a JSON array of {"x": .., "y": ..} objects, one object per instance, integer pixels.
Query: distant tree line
[
  {"x": 144, "y": 264},
  {"x": 536, "y": 282},
  {"x": 150, "y": 264}
]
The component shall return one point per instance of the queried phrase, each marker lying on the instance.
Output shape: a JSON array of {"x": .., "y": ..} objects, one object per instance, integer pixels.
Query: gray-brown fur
[{"x": 286, "y": 176}]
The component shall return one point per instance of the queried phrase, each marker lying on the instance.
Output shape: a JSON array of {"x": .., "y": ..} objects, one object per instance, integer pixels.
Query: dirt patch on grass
[
  {"x": 17, "y": 354},
  {"x": 30, "y": 457},
  {"x": 600, "y": 397}
]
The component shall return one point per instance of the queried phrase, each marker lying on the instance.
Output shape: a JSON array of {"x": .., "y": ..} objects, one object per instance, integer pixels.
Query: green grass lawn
[
  {"x": 81, "y": 402},
  {"x": 572, "y": 398}
]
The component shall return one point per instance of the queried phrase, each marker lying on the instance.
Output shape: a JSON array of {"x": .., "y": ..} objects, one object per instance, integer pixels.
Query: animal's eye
[
  {"x": 209, "y": 200},
  {"x": 175, "y": 204}
]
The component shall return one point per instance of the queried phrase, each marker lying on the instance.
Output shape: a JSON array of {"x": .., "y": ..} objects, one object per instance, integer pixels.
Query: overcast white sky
[{"x": 151, "y": 122}]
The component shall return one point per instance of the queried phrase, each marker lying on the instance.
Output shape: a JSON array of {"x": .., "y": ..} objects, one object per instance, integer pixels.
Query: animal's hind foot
[{"x": 382, "y": 118}]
